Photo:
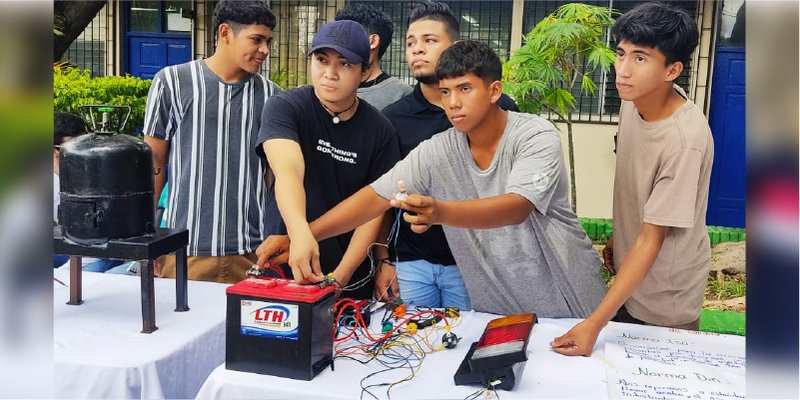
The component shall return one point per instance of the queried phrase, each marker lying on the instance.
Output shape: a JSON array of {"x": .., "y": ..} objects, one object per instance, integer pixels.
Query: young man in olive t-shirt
[{"x": 660, "y": 250}]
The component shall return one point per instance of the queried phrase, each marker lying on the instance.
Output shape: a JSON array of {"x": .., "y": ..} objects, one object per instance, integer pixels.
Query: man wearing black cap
[{"x": 322, "y": 144}]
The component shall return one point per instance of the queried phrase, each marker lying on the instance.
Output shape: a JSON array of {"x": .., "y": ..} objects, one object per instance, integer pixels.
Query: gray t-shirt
[
  {"x": 544, "y": 265},
  {"x": 385, "y": 93}
]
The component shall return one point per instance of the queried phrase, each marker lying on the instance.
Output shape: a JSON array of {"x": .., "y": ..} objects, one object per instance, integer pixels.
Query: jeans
[
  {"x": 59, "y": 260},
  {"x": 122, "y": 269},
  {"x": 101, "y": 265},
  {"x": 97, "y": 265},
  {"x": 431, "y": 285}
]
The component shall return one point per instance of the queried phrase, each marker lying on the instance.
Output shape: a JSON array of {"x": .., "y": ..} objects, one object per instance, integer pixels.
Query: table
[
  {"x": 146, "y": 248},
  {"x": 99, "y": 353},
  {"x": 546, "y": 374}
]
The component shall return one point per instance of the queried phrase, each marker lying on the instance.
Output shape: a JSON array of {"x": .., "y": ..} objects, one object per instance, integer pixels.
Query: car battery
[{"x": 277, "y": 327}]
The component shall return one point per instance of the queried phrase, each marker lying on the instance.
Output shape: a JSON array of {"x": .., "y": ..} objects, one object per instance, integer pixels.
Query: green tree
[
  {"x": 560, "y": 52},
  {"x": 70, "y": 18}
]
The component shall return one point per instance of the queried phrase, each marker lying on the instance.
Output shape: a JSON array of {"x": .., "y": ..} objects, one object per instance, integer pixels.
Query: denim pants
[
  {"x": 431, "y": 285},
  {"x": 101, "y": 265},
  {"x": 98, "y": 265}
]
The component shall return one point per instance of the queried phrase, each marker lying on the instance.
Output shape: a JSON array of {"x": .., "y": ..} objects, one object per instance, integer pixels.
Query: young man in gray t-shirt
[
  {"x": 496, "y": 181},
  {"x": 377, "y": 88}
]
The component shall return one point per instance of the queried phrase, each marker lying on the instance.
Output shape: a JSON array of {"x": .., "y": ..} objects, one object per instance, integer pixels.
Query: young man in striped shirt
[{"x": 202, "y": 121}]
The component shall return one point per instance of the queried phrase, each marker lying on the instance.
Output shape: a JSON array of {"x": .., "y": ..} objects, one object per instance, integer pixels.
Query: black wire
[
  {"x": 386, "y": 357},
  {"x": 387, "y": 315},
  {"x": 474, "y": 395},
  {"x": 412, "y": 368},
  {"x": 389, "y": 353},
  {"x": 407, "y": 364},
  {"x": 363, "y": 281},
  {"x": 390, "y": 357}
]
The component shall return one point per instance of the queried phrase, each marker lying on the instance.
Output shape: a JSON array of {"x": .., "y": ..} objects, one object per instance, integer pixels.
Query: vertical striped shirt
[{"x": 216, "y": 185}]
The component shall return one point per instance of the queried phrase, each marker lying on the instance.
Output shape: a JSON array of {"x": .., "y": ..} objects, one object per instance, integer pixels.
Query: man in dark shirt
[
  {"x": 323, "y": 144},
  {"x": 378, "y": 88},
  {"x": 424, "y": 266}
]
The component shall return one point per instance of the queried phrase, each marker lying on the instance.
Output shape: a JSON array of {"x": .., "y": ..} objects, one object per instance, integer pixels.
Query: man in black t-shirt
[{"x": 323, "y": 144}]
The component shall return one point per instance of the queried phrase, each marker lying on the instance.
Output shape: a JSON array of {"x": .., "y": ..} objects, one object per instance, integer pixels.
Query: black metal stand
[{"x": 148, "y": 248}]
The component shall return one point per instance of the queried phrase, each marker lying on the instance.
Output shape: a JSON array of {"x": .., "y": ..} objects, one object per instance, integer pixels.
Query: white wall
[{"x": 595, "y": 161}]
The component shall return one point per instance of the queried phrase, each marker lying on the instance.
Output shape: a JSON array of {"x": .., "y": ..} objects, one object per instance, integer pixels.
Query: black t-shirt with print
[{"x": 340, "y": 159}]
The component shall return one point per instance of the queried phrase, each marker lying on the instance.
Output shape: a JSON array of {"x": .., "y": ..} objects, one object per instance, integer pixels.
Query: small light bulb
[{"x": 401, "y": 187}]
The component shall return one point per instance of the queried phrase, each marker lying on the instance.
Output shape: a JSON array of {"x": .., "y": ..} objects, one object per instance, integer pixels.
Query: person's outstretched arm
[
  {"x": 356, "y": 210},
  {"x": 285, "y": 158},
  {"x": 491, "y": 212},
  {"x": 581, "y": 338}
]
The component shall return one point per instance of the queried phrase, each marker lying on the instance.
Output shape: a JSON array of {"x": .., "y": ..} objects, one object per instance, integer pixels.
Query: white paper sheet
[{"x": 645, "y": 362}]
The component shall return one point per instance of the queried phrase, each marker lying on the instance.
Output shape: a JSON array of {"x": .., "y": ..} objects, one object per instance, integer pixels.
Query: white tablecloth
[
  {"x": 99, "y": 351},
  {"x": 546, "y": 374}
]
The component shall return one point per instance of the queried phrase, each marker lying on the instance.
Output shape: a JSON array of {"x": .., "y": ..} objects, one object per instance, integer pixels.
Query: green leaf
[
  {"x": 587, "y": 85},
  {"x": 601, "y": 57},
  {"x": 551, "y": 75},
  {"x": 560, "y": 35},
  {"x": 559, "y": 99},
  {"x": 572, "y": 11}
]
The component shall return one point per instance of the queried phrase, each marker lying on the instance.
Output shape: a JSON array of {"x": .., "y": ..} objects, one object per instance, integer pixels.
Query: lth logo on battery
[{"x": 271, "y": 314}]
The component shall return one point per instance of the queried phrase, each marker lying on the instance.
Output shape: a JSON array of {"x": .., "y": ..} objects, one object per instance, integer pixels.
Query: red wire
[
  {"x": 277, "y": 269},
  {"x": 360, "y": 320},
  {"x": 339, "y": 316}
]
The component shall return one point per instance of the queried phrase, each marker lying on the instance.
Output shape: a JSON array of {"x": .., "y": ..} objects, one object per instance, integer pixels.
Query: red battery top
[{"x": 279, "y": 289}]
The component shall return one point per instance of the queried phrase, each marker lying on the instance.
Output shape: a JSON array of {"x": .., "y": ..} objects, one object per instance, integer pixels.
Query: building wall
[
  {"x": 112, "y": 45},
  {"x": 594, "y": 143},
  {"x": 704, "y": 54},
  {"x": 202, "y": 35},
  {"x": 595, "y": 162}
]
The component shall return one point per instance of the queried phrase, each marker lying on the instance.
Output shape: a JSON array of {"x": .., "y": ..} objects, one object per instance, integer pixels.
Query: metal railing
[
  {"x": 88, "y": 51},
  {"x": 298, "y": 21}
]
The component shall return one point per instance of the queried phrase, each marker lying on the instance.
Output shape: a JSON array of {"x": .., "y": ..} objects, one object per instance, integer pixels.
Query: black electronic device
[
  {"x": 506, "y": 376},
  {"x": 498, "y": 358}
]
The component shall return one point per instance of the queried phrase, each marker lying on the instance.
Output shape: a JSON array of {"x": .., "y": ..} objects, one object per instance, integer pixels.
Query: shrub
[
  {"x": 73, "y": 88},
  {"x": 287, "y": 80}
]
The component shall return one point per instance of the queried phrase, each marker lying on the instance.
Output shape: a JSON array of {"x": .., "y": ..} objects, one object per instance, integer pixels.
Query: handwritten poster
[{"x": 646, "y": 362}]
